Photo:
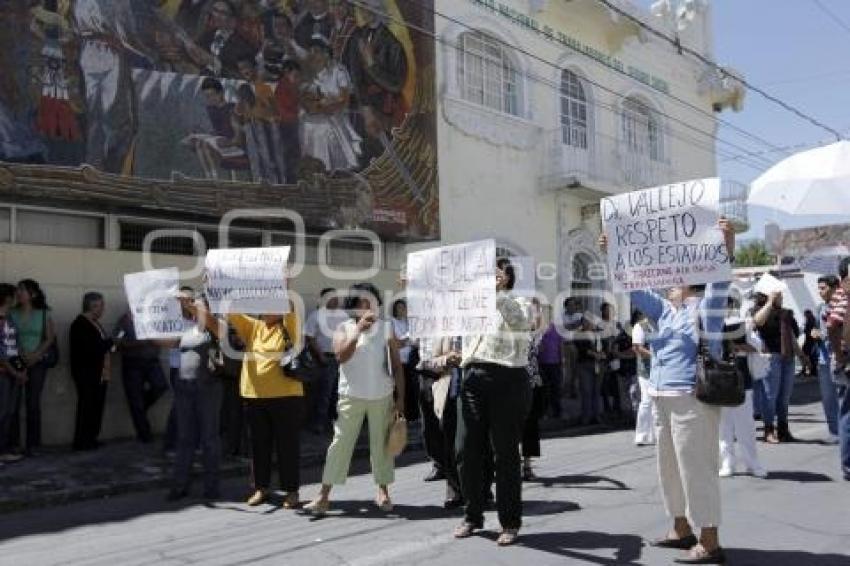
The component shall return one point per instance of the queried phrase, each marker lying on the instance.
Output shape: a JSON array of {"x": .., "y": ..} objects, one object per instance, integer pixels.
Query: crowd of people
[{"x": 479, "y": 399}]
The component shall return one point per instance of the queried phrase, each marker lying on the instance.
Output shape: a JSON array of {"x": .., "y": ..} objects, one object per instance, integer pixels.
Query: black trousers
[
  {"x": 531, "y": 431},
  {"x": 276, "y": 426},
  {"x": 552, "y": 379},
  {"x": 439, "y": 435},
  {"x": 494, "y": 403},
  {"x": 91, "y": 396},
  {"x": 232, "y": 419}
]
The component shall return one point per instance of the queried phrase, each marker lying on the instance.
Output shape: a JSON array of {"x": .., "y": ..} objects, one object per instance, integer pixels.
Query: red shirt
[
  {"x": 287, "y": 96},
  {"x": 837, "y": 309}
]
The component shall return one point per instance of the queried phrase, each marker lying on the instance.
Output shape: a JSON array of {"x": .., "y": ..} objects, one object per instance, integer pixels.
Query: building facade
[{"x": 506, "y": 119}]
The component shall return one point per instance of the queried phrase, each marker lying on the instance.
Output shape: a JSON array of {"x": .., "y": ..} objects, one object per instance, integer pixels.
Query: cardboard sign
[
  {"x": 768, "y": 284},
  {"x": 666, "y": 236},
  {"x": 451, "y": 291},
  {"x": 152, "y": 296},
  {"x": 247, "y": 280}
]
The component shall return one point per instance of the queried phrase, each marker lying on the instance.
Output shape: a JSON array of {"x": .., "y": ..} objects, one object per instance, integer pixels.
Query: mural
[{"x": 323, "y": 106}]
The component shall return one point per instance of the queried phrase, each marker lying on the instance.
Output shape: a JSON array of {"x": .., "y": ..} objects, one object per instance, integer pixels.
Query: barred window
[
  {"x": 486, "y": 73},
  {"x": 573, "y": 110},
  {"x": 642, "y": 130}
]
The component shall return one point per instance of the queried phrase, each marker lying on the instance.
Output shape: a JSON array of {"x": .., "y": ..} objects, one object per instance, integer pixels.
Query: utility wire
[
  {"x": 832, "y": 15},
  {"x": 684, "y": 49}
]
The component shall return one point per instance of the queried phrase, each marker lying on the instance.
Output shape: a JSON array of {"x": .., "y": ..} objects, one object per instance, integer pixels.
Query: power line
[
  {"x": 832, "y": 15},
  {"x": 598, "y": 85},
  {"x": 684, "y": 49}
]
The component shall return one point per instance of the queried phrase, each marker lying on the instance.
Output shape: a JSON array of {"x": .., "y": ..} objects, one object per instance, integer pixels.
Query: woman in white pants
[
  {"x": 737, "y": 423},
  {"x": 645, "y": 419}
]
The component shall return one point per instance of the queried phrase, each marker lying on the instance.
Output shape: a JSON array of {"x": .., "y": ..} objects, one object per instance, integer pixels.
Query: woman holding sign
[
  {"x": 274, "y": 401},
  {"x": 495, "y": 397},
  {"x": 369, "y": 371},
  {"x": 688, "y": 429}
]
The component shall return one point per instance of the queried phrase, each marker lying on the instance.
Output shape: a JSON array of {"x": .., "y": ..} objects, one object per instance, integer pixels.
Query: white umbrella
[{"x": 816, "y": 181}]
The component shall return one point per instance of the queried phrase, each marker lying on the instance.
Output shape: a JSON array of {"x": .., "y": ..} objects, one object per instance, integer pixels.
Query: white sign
[
  {"x": 451, "y": 291},
  {"x": 768, "y": 284},
  {"x": 247, "y": 280},
  {"x": 152, "y": 296},
  {"x": 666, "y": 236}
]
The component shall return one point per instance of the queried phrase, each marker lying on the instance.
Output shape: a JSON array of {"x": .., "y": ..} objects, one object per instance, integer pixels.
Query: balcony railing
[{"x": 599, "y": 163}]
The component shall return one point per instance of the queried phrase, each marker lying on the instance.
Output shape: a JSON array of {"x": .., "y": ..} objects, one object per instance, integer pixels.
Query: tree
[{"x": 753, "y": 254}]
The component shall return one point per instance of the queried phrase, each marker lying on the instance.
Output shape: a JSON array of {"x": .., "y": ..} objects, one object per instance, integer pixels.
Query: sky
[{"x": 794, "y": 51}]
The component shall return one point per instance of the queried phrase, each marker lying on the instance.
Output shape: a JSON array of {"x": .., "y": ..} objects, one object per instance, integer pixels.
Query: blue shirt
[{"x": 674, "y": 345}]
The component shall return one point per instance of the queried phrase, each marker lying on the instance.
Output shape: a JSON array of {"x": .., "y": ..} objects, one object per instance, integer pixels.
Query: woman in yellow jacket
[{"x": 274, "y": 401}]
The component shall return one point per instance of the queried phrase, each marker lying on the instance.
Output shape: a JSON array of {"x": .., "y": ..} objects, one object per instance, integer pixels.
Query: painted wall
[{"x": 65, "y": 274}]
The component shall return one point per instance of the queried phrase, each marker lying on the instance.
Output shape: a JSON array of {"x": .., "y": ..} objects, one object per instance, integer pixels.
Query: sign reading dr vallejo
[
  {"x": 247, "y": 280},
  {"x": 451, "y": 291},
  {"x": 666, "y": 236},
  {"x": 152, "y": 296}
]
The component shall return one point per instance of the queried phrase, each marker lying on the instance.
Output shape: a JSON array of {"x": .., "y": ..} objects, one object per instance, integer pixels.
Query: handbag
[
  {"x": 298, "y": 365},
  {"x": 50, "y": 359},
  {"x": 397, "y": 436},
  {"x": 719, "y": 382}
]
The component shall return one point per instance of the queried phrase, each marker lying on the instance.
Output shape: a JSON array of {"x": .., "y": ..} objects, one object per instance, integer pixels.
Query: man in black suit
[
  {"x": 317, "y": 20},
  {"x": 223, "y": 41}
]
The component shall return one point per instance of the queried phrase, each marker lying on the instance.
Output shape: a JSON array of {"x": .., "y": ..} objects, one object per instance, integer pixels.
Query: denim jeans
[
  {"x": 590, "y": 386},
  {"x": 30, "y": 400},
  {"x": 197, "y": 404},
  {"x": 10, "y": 392},
  {"x": 844, "y": 429},
  {"x": 778, "y": 386},
  {"x": 828, "y": 397}
]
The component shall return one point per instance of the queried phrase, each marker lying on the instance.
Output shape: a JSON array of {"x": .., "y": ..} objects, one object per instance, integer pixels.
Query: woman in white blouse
[
  {"x": 366, "y": 347},
  {"x": 326, "y": 131}
]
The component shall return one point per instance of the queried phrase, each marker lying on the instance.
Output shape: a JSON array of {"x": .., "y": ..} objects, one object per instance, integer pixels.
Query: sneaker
[
  {"x": 10, "y": 458},
  {"x": 832, "y": 440},
  {"x": 258, "y": 498},
  {"x": 757, "y": 473},
  {"x": 726, "y": 472}
]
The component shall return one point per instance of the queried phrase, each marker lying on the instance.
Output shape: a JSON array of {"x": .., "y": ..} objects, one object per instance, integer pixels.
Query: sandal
[
  {"x": 317, "y": 507},
  {"x": 699, "y": 555},
  {"x": 684, "y": 543},
  {"x": 291, "y": 501},
  {"x": 465, "y": 529},
  {"x": 508, "y": 537},
  {"x": 385, "y": 506}
]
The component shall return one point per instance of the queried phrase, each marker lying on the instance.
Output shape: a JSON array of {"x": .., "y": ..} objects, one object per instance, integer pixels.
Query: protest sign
[
  {"x": 666, "y": 236},
  {"x": 247, "y": 280},
  {"x": 152, "y": 296},
  {"x": 768, "y": 284},
  {"x": 451, "y": 291}
]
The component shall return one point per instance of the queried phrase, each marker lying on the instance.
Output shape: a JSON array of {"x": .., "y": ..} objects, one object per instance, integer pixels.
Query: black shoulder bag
[
  {"x": 298, "y": 365},
  {"x": 719, "y": 382}
]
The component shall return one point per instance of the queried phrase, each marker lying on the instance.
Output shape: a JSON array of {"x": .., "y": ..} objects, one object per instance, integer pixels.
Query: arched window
[
  {"x": 573, "y": 110},
  {"x": 486, "y": 73},
  {"x": 642, "y": 130}
]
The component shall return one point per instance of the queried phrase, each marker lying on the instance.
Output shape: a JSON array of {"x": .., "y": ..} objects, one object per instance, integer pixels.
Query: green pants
[{"x": 351, "y": 412}]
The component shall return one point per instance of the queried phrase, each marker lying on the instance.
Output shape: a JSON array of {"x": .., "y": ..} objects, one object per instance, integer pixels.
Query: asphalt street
[{"x": 596, "y": 503}]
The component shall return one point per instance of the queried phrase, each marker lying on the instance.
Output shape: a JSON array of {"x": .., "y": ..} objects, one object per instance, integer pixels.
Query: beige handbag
[{"x": 397, "y": 436}]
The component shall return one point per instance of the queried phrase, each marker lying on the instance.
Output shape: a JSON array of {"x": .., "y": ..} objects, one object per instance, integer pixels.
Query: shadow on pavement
[
  {"x": 743, "y": 557},
  {"x": 363, "y": 509},
  {"x": 576, "y": 546},
  {"x": 800, "y": 477},
  {"x": 583, "y": 482}
]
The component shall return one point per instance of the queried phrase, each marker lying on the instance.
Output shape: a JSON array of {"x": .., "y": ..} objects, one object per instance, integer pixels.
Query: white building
[{"x": 546, "y": 106}]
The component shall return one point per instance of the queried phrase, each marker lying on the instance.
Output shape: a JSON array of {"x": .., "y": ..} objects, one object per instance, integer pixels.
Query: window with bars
[
  {"x": 133, "y": 234},
  {"x": 642, "y": 130},
  {"x": 486, "y": 73},
  {"x": 573, "y": 110},
  {"x": 57, "y": 229}
]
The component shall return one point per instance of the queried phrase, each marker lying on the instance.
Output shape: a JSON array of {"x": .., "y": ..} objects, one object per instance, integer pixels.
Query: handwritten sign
[
  {"x": 152, "y": 296},
  {"x": 247, "y": 280},
  {"x": 451, "y": 291},
  {"x": 666, "y": 236},
  {"x": 525, "y": 269}
]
